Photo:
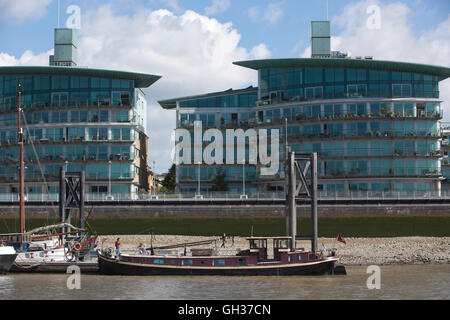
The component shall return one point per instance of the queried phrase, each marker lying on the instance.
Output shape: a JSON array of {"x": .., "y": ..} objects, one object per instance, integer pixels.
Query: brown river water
[{"x": 396, "y": 282}]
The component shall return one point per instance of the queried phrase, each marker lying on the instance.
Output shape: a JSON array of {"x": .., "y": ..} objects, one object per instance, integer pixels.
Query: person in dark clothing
[
  {"x": 224, "y": 238},
  {"x": 117, "y": 244}
]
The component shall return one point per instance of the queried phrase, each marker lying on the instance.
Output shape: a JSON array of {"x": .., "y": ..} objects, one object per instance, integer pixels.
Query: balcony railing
[
  {"x": 323, "y": 195},
  {"x": 8, "y": 107},
  {"x": 379, "y": 152},
  {"x": 345, "y": 134},
  {"x": 346, "y": 116},
  {"x": 62, "y": 139},
  {"x": 381, "y": 172},
  {"x": 327, "y": 96},
  {"x": 334, "y": 173}
]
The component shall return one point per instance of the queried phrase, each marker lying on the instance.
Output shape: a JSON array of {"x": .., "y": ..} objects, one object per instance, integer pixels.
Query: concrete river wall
[{"x": 231, "y": 210}]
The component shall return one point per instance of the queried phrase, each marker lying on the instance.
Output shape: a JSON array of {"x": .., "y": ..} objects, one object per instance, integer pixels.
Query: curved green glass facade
[
  {"x": 300, "y": 84},
  {"x": 374, "y": 124},
  {"x": 83, "y": 119}
]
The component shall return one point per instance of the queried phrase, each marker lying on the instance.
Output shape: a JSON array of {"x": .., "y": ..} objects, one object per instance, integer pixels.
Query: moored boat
[
  {"x": 35, "y": 250},
  {"x": 7, "y": 257},
  {"x": 251, "y": 262}
]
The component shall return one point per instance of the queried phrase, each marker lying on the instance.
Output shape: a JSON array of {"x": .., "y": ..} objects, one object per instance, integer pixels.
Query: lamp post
[
  {"x": 109, "y": 179},
  {"x": 287, "y": 150},
  {"x": 286, "y": 132},
  {"x": 154, "y": 172},
  {"x": 243, "y": 177},
  {"x": 198, "y": 174}
]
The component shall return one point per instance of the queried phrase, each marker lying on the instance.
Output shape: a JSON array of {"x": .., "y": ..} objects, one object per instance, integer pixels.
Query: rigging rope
[
  {"x": 39, "y": 164},
  {"x": 47, "y": 190}
]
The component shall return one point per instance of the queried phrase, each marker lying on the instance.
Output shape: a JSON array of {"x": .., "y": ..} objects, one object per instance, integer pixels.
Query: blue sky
[
  {"x": 192, "y": 44},
  {"x": 285, "y": 35}
]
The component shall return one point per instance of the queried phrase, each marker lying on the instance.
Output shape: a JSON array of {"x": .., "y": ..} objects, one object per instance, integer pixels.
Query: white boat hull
[
  {"x": 7, "y": 257},
  {"x": 50, "y": 255}
]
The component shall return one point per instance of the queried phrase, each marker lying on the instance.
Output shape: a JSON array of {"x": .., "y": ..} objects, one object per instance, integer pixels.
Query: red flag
[{"x": 340, "y": 239}]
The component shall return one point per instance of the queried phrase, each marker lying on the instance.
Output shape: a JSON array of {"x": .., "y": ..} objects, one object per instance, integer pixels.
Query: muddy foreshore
[{"x": 357, "y": 251}]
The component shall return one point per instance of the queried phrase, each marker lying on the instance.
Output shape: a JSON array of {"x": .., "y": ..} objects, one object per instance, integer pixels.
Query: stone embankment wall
[{"x": 117, "y": 211}]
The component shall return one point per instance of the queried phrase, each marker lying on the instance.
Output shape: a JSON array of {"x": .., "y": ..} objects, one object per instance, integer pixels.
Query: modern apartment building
[
  {"x": 84, "y": 119},
  {"x": 374, "y": 124},
  {"x": 445, "y": 147}
]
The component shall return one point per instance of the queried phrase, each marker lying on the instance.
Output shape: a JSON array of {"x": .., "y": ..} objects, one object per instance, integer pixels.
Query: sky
[{"x": 192, "y": 44}]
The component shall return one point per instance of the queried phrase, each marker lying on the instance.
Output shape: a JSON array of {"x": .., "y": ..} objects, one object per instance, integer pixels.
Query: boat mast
[{"x": 21, "y": 182}]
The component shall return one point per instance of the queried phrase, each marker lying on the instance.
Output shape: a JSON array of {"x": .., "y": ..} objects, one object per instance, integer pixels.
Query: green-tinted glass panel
[
  {"x": 41, "y": 82},
  {"x": 60, "y": 82}
]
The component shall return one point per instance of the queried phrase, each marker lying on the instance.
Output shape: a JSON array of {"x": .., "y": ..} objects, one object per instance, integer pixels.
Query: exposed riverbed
[{"x": 357, "y": 251}]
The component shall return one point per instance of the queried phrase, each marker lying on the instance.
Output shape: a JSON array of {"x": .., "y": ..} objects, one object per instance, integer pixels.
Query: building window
[
  {"x": 121, "y": 116},
  {"x": 98, "y": 189},
  {"x": 98, "y": 116},
  {"x": 60, "y": 82},
  {"x": 121, "y": 99},
  {"x": 121, "y": 134},
  {"x": 60, "y": 99},
  {"x": 401, "y": 90},
  {"x": 357, "y": 90},
  {"x": 314, "y": 93},
  {"x": 76, "y": 134}
]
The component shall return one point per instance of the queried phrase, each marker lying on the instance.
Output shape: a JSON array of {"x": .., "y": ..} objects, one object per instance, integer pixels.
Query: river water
[{"x": 397, "y": 282}]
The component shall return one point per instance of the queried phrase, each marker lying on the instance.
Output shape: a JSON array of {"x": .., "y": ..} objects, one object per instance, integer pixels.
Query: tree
[
  {"x": 169, "y": 182},
  {"x": 219, "y": 182}
]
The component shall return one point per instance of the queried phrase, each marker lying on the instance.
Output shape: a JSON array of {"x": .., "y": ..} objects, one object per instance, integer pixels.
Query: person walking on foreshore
[
  {"x": 117, "y": 244},
  {"x": 224, "y": 238}
]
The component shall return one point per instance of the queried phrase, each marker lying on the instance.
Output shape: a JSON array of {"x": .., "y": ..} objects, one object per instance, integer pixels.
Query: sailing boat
[
  {"x": 33, "y": 248},
  {"x": 8, "y": 253},
  {"x": 47, "y": 248},
  {"x": 7, "y": 257}
]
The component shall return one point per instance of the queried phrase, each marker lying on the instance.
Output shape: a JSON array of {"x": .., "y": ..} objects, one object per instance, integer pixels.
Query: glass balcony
[
  {"x": 382, "y": 172},
  {"x": 344, "y": 134}
]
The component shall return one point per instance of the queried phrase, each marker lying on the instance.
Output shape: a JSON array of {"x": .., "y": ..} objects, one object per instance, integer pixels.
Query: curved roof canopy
[
  {"x": 441, "y": 72},
  {"x": 172, "y": 103},
  {"x": 141, "y": 80}
]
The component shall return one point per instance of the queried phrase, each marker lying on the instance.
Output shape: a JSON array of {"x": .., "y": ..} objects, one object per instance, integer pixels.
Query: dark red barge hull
[{"x": 111, "y": 266}]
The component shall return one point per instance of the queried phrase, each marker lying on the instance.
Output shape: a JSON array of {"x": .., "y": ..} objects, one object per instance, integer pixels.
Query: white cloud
[
  {"x": 173, "y": 4},
  {"x": 274, "y": 12},
  {"x": 394, "y": 41},
  {"x": 217, "y": 6},
  {"x": 271, "y": 14},
  {"x": 28, "y": 58},
  {"x": 260, "y": 52},
  {"x": 192, "y": 52},
  {"x": 21, "y": 10}
]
